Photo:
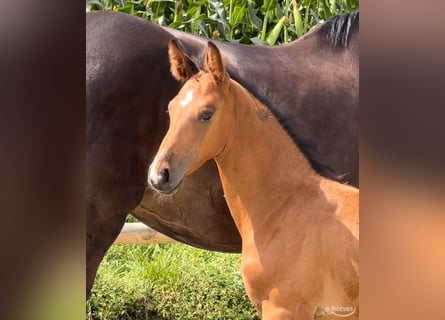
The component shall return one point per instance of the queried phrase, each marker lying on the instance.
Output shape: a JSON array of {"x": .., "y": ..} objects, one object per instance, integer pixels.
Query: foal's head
[{"x": 200, "y": 116}]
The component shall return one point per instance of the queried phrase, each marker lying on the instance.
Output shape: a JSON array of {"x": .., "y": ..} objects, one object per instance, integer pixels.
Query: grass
[{"x": 170, "y": 281}]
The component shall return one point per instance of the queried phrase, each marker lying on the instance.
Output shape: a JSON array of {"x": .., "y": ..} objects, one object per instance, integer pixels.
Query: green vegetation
[
  {"x": 170, "y": 281},
  {"x": 263, "y": 22}
]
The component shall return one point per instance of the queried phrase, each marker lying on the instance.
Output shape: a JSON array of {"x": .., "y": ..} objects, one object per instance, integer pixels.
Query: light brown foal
[{"x": 299, "y": 230}]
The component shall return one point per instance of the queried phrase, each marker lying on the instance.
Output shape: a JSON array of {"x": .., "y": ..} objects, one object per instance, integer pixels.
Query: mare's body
[
  {"x": 128, "y": 85},
  {"x": 299, "y": 230}
]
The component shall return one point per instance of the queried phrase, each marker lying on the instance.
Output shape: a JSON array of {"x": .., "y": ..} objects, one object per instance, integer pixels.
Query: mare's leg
[{"x": 102, "y": 230}]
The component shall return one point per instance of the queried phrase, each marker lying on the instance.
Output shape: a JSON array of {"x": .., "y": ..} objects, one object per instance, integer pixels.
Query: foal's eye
[{"x": 205, "y": 116}]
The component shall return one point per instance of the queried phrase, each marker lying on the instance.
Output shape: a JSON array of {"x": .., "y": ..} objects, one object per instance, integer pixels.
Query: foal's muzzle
[{"x": 161, "y": 180}]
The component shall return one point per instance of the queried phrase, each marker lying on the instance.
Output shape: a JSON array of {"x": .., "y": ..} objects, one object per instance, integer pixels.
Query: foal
[{"x": 299, "y": 230}]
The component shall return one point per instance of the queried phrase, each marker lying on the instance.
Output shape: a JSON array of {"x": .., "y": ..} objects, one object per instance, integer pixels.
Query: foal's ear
[
  {"x": 181, "y": 67},
  {"x": 214, "y": 64}
]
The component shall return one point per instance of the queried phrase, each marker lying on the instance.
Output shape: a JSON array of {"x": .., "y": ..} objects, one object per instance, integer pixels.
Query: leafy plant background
[
  {"x": 263, "y": 22},
  {"x": 160, "y": 282}
]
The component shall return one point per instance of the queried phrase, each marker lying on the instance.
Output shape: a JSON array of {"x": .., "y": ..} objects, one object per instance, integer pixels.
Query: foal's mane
[
  {"x": 338, "y": 29},
  {"x": 270, "y": 100}
]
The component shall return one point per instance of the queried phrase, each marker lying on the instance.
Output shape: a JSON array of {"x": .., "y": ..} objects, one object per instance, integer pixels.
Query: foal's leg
[
  {"x": 302, "y": 311},
  {"x": 334, "y": 317},
  {"x": 277, "y": 313}
]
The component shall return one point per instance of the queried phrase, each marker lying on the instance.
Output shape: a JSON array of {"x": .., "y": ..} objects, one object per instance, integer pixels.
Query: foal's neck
[{"x": 261, "y": 167}]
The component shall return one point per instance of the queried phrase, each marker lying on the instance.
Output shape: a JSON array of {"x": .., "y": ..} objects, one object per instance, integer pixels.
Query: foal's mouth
[{"x": 169, "y": 189}]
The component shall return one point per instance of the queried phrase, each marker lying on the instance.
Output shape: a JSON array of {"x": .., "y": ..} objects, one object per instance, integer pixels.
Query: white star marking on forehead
[{"x": 188, "y": 97}]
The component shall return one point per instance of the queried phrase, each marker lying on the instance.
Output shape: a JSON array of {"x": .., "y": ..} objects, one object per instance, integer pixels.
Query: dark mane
[
  {"x": 338, "y": 29},
  {"x": 270, "y": 100}
]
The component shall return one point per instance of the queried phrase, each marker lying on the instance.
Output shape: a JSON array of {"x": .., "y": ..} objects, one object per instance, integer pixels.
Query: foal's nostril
[{"x": 165, "y": 176}]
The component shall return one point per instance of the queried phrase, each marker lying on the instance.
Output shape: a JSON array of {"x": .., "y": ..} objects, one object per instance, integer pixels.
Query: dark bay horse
[
  {"x": 299, "y": 230},
  {"x": 312, "y": 84}
]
